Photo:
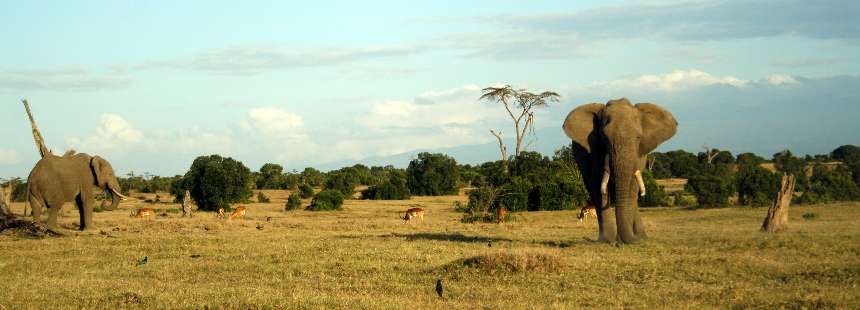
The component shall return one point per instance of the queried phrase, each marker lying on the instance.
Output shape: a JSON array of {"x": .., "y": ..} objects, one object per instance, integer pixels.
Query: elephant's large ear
[
  {"x": 97, "y": 163},
  {"x": 582, "y": 125},
  {"x": 658, "y": 125}
]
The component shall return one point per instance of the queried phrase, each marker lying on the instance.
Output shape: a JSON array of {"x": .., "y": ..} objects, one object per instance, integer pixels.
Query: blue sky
[{"x": 150, "y": 85}]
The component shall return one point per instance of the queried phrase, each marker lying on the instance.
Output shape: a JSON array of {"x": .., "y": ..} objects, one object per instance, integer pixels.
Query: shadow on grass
[{"x": 455, "y": 237}]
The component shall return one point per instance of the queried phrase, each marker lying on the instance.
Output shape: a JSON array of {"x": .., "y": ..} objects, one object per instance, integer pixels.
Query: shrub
[
  {"x": 327, "y": 200},
  {"x": 306, "y": 191},
  {"x": 684, "y": 199},
  {"x": 828, "y": 185},
  {"x": 293, "y": 202},
  {"x": 550, "y": 196},
  {"x": 342, "y": 181},
  {"x": 711, "y": 191},
  {"x": 216, "y": 182},
  {"x": 481, "y": 201},
  {"x": 432, "y": 175},
  {"x": 654, "y": 194},
  {"x": 393, "y": 189},
  {"x": 262, "y": 198},
  {"x": 515, "y": 194},
  {"x": 756, "y": 186}
]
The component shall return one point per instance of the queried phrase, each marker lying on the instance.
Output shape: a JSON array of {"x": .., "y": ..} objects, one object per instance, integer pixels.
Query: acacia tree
[{"x": 523, "y": 101}]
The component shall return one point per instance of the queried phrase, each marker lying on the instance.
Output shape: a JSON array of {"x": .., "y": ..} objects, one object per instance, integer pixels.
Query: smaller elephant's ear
[
  {"x": 581, "y": 126},
  {"x": 96, "y": 163},
  {"x": 658, "y": 125}
]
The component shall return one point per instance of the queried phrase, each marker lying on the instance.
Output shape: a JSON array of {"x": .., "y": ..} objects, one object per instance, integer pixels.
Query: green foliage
[
  {"x": 787, "y": 163},
  {"x": 392, "y": 189},
  {"x": 850, "y": 155},
  {"x": 662, "y": 168},
  {"x": 682, "y": 164},
  {"x": 305, "y": 191},
  {"x": 433, "y": 175},
  {"x": 756, "y": 186},
  {"x": 293, "y": 202},
  {"x": 481, "y": 201},
  {"x": 551, "y": 196},
  {"x": 654, "y": 194},
  {"x": 262, "y": 198},
  {"x": 515, "y": 194},
  {"x": 271, "y": 176},
  {"x": 216, "y": 182},
  {"x": 711, "y": 190},
  {"x": 19, "y": 190},
  {"x": 684, "y": 199},
  {"x": 327, "y": 200},
  {"x": 312, "y": 177},
  {"x": 749, "y": 159},
  {"x": 830, "y": 185},
  {"x": 343, "y": 180}
]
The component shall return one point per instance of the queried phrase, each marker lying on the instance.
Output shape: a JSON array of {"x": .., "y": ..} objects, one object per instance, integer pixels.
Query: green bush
[
  {"x": 711, "y": 191},
  {"x": 684, "y": 199},
  {"x": 262, "y": 198},
  {"x": 481, "y": 201},
  {"x": 432, "y": 175},
  {"x": 756, "y": 186},
  {"x": 306, "y": 191},
  {"x": 216, "y": 182},
  {"x": 327, "y": 200},
  {"x": 654, "y": 194},
  {"x": 393, "y": 189},
  {"x": 293, "y": 202},
  {"x": 828, "y": 185},
  {"x": 343, "y": 181},
  {"x": 551, "y": 196}
]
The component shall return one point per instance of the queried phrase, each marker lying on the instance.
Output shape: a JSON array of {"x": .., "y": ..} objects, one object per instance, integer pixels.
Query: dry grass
[{"x": 366, "y": 257}]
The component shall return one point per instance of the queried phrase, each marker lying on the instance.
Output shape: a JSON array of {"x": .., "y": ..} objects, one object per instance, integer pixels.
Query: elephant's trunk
[
  {"x": 624, "y": 174},
  {"x": 115, "y": 198}
]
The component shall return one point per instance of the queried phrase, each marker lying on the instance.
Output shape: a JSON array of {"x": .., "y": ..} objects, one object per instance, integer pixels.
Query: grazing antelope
[
  {"x": 500, "y": 214},
  {"x": 143, "y": 212},
  {"x": 413, "y": 213},
  {"x": 587, "y": 210},
  {"x": 239, "y": 212}
]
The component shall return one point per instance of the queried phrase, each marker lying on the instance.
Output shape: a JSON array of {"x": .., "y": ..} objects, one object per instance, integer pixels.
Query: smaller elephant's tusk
[
  {"x": 639, "y": 180},
  {"x": 121, "y": 197},
  {"x": 604, "y": 184}
]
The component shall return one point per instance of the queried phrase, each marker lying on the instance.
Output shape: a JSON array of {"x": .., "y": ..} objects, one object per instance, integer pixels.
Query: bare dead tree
[
  {"x": 524, "y": 102},
  {"x": 502, "y": 148},
  {"x": 649, "y": 162},
  {"x": 777, "y": 214},
  {"x": 710, "y": 153},
  {"x": 40, "y": 142}
]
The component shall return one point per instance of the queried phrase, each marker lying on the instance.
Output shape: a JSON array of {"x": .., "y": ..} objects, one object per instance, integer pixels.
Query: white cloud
[
  {"x": 9, "y": 157},
  {"x": 781, "y": 79},
  {"x": 275, "y": 122},
  {"x": 68, "y": 78},
  {"x": 113, "y": 133},
  {"x": 433, "y": 109},
  {"x": 673, "y": 81}
]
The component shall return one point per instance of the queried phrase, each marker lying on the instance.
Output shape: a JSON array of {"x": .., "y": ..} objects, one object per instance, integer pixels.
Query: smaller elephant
[{"x": 56, "y": 180}]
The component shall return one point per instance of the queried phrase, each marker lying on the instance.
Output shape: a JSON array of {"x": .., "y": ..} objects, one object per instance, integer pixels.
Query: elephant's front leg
[
  {"x": 85, "y": 207},
  {"x": 639, "y": 227},
  {"x": 606, "y": 224}
]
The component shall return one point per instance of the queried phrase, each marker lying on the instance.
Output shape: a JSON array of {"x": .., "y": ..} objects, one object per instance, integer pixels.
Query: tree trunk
[
  {"x": 777, "y": 215},
  {"x": 40, "y": 142}
]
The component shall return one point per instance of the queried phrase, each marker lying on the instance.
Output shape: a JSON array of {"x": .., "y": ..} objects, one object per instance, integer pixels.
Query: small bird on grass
[
  {"x": 439, "y": 288},
  {"x": 490, "y": 244},
  {"x": 143, "y": 261},
  {"x": 259, "y": 226}
]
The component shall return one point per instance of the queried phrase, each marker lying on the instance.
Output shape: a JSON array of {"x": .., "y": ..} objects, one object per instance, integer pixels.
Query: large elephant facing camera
[
  {"x": 610, "y": 143},
  {"x": 56, "y": 180}
]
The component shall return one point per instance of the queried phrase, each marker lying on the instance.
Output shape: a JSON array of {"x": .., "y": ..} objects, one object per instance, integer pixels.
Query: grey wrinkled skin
[
  {"x": 56, "y": 180},
  {"x": 615, "y": 138}
]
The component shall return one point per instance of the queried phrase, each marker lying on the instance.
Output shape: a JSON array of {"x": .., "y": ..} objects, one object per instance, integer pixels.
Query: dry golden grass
[{"x": 366, "y": 257}]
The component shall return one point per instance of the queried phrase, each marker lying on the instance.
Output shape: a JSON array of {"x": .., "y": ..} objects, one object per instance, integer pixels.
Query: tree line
[{"x": 529, "y": 181}]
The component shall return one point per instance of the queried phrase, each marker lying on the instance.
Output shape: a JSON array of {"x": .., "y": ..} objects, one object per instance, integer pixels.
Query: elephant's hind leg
[
  {"x": 639, "y": 227},
  {"x": 85, "y": 211}
]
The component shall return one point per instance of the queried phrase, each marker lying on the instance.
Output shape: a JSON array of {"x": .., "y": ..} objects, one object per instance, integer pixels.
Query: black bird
[
  {"x": 490, "y": 244},
  {"x": 439, "y": 288},
  {"x": 143, "y": 261}
]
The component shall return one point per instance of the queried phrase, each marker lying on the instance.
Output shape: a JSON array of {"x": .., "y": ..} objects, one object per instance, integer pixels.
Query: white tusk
[
  {"x": 639, "y": 180},
  {"x": 121, "y": 197},
  {"x": 605, "y": 183}
]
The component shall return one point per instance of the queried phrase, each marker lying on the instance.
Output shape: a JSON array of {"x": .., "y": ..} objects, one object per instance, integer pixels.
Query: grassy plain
[{"x": 365, "y": 257}]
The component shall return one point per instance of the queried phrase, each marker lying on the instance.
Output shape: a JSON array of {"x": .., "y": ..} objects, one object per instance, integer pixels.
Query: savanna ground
[{"x": 365, "y": 257}]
